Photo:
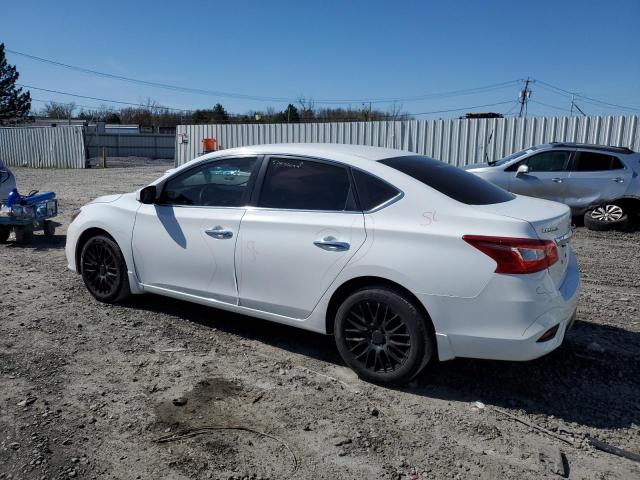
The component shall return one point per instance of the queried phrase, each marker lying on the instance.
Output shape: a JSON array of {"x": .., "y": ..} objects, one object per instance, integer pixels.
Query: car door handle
[
  {"x": 618, "y": 180},
  {"x": 331, "y": 244},
  {"x": 219, "y": 232},
  {"x": 557, "y": 180}
]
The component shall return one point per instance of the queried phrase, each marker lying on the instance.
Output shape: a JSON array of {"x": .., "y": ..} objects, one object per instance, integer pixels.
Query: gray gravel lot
[{"x": 86, "y": 389}]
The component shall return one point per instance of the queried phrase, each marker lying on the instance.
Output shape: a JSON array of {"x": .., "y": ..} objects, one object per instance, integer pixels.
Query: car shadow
[
  {"x": 632, "y": 227},
  {"x": 592, "y": 385},
  {"x": 582, "y": 381},
  {"x": 39, "y": 242}
]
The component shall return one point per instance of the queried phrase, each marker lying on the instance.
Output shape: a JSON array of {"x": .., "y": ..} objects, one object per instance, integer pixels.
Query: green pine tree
[{"x": 13, "y": 102}]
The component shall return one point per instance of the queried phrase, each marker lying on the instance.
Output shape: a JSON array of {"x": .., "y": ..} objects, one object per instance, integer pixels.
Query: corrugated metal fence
[
  {"x": 456, "y": 141},
  {"x": 153, "y": 145},
  {"x": 43, "y": 147}
]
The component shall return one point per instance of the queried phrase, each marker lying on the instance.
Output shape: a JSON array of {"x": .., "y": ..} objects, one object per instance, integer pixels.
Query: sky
[{"x": 352, "y": 51}]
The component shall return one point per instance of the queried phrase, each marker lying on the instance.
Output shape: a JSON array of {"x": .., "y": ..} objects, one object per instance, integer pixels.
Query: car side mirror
[
  {"x": 522, "y": 170},
  {"x": 148, "y": 194}
]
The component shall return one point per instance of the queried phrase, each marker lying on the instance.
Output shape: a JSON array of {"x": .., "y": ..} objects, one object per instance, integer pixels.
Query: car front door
[
  {"x": 596, "y": 178},
  {"x": 302, "y": 232},
  {"x": 185, "y": 242},
  {"x": 546, "y": 178}
]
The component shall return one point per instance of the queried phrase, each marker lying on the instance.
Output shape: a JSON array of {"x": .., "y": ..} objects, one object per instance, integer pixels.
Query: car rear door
[
  {"x": 304, "y": 229},
  {"x": 596, "y": 178},
  {"x": 547, "y": 176},
  {"x": 185, "y": 243}
]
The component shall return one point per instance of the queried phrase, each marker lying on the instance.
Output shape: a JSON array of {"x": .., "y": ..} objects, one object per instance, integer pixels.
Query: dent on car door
[
  {"x": 546, "y": 178},
  {"x": 185, "y": 242},
  {"x": 595, "y": 178},
  {"x": 298, "y": 238}
]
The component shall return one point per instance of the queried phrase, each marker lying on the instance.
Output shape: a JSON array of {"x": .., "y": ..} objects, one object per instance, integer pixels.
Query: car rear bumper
[{"x": 507, "y": 320}]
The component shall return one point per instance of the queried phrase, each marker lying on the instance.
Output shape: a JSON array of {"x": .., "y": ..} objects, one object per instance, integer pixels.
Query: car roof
[
  {"x": 603, "y": 148},
  {"x": 357, "y": 156},
  {"x": 322, "y": 150}
]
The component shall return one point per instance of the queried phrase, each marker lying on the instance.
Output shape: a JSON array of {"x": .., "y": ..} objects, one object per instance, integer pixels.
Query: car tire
[
  {"x": 49, "y": 228},
  {"x": 606, "y": 217},
  {"x": 383, "y": 336},
  {"x": 104, "y": 270},
  {"x": 23, "y": 234},
  {"x": 5, "y": 231}
]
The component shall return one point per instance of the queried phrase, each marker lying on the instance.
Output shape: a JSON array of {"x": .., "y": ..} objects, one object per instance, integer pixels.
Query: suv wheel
[
  {"x": 606, "y": 217},
  {"x": 104, "y": 270},
  {"x": 382, "y": 336}
]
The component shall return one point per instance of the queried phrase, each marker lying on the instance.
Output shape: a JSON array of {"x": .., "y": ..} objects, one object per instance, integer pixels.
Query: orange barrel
[{"x": 209, "y": 145}]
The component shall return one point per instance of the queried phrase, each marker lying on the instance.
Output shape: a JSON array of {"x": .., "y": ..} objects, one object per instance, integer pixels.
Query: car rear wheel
[
  {"x": 606, "y": 217},
  {"x": 383, "y": 336},
  {"x": 104, "y": 270}
]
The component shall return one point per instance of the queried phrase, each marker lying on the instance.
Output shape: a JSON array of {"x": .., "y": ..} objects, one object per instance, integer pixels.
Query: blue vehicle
[{"x": 25, "y": 214}]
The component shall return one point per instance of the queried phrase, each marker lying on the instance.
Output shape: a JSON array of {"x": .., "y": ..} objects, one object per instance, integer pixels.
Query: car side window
[
  {"x": 550, "y": 161},
  {"x": 372, "y": 192},
  {"x": 300, "y": 184},
  {"x": 593, "y": 162},
  {"x": 220, "y": 183}
]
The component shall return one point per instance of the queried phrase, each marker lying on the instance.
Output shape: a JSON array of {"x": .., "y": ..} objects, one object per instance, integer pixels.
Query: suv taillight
[{"x": 516, "y": 255}]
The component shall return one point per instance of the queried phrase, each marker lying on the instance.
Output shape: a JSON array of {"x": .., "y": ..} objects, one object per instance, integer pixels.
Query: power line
[
  {"x": 42, "y": 100},
  {"x": 162, "y": 107},
  {"x": 455, "y": 93},
  {"x": 241, "y": 96},
  {"x": 550, "y": 106},
  {"x": 462, "y": 108},
  {"x": 584, "y": 97},
  {"x": 515, "y": 105},
  {"x": 185, "y": 110}
]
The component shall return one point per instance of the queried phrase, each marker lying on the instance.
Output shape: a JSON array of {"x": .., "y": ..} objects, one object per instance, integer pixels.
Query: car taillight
[{"x": 516, "y": 255}]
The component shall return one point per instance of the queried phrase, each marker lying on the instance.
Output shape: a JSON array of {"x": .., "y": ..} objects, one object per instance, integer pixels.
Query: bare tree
[
  {"x": 307, "y": 108},
  {"x": 395, "y": 113},
  {"x": 59, "y": 110}
]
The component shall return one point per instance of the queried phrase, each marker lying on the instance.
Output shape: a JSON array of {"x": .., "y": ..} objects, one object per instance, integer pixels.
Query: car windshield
[
  {"x": 513, "y": 156},
  {"x": 454, "y": 182}
]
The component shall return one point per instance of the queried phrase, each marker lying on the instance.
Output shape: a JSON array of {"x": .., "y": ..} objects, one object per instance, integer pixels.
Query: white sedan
[{"x": 401, "y": 257}]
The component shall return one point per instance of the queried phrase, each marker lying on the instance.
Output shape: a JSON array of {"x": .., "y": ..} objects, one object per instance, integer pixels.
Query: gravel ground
[{"x": 86, "y": 390}]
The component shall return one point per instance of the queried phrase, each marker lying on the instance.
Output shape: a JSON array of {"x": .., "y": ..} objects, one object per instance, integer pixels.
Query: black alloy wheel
[
  {"x": 376, "y": 336},
  {"x": 383, "y": 336},
  {"x": 104, "y": 270}
]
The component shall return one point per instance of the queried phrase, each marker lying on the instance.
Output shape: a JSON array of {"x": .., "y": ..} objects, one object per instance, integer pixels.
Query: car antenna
[{"x": 486, "y": 146}]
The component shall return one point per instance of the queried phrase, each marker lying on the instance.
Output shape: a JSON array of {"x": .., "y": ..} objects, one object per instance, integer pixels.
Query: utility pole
[
  {"x": 573, "y": 98},
  {"x": 575, "y": 105},
  {"x": 525, "y": 93}
]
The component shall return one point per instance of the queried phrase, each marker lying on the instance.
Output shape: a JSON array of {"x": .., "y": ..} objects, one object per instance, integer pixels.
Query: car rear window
[
  {"x": 593, "y": 162},
  {"x": 453, "y": 182},
  {"x": 372, "y": 192}
]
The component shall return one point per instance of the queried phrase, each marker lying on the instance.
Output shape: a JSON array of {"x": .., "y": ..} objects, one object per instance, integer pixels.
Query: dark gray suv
[{"x": 596, "y": 181}]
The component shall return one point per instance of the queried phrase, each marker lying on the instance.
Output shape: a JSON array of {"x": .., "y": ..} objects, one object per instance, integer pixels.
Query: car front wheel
[
  {"x": 606, "y": 217},
  {"x": 104, "y": 270},
  {"x": 383, "y": 336}
]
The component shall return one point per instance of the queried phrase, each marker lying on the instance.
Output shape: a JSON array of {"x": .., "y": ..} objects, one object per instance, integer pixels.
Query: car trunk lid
[{"x": 550, "y": 220}]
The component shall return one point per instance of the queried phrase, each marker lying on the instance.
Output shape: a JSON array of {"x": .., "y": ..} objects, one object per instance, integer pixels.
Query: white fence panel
[
  {"x": 455, "y": 141},
  {"x": 43, "y": 147}
]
